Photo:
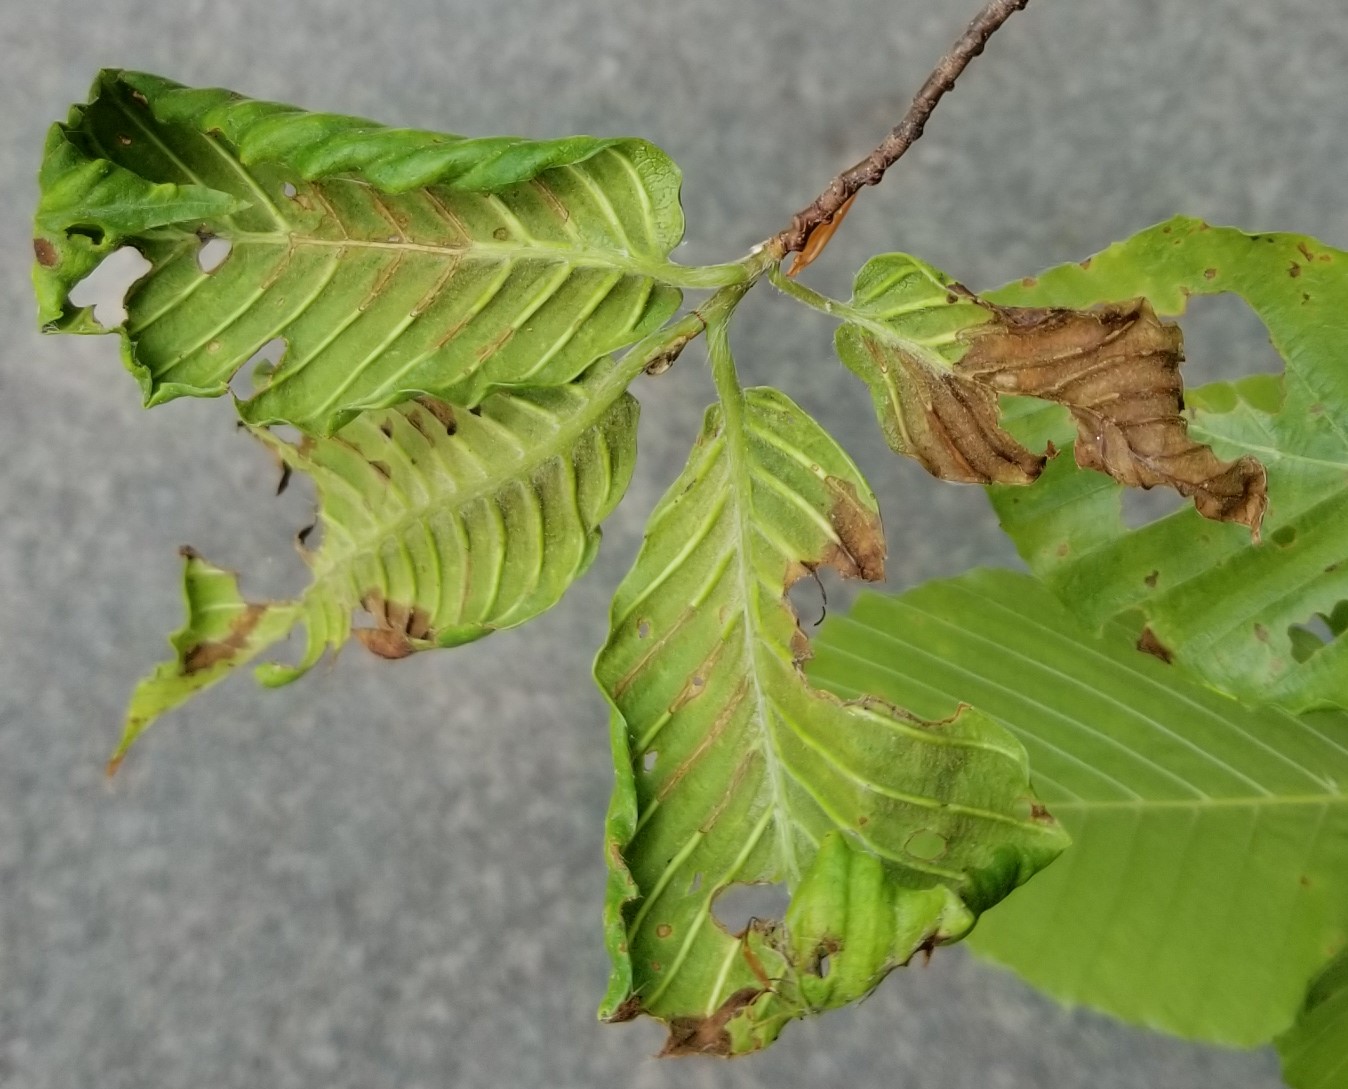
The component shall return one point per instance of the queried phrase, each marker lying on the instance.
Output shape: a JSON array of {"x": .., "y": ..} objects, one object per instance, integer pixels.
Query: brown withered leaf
[
  {"x": 1116, "y": 369},
  {"x": 937, "y": 358}
]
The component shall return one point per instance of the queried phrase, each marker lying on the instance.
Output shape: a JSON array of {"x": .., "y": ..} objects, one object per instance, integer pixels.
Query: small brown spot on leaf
[
  {"x": 1304, "y": 881},
  {"x": 1147, "y": 643},
  {"x": 1261, "y": 633},
  {"x": 1028, "y": 281},
  {"x": 1086, "y": 264},
  {"x": 212, "y": 652},
  {"x": 381, "y": 467},
  {"x": 1209, "y": 274},
  {"x": 1152, "y": 579},
  {"x": 386, "y": 429},
  {"x": 441, "y": 411},
  {"x": 1064, "y": 549},
  {"x": 664, "y": 930},
  {"x": 1040, "y": 813},
  {"x": 45, "y": 252},
  {"x": 707, "y": 1035},
  {"x": 500, "y": 234},
  {"x": 1305, "y": 251},
  {"x": 1294, "y": 270}
]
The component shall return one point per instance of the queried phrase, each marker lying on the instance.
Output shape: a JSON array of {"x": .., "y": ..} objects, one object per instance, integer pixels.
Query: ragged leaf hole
[
  {"x": 212, "y": 252},
  {"x": 1317, "y": 632},
  {"x": 106, "y": 287},
  {"x": 256, "y": 372},
  {"x": 736, "y": 906},
  {"x": 648, "y": 761},
  {"x": 1140, "y": 506},
  {"x": 288, "y": 190}
]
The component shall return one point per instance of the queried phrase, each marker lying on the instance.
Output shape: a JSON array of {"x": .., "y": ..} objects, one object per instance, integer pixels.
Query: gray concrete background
[{"x": 390, "y": 874}]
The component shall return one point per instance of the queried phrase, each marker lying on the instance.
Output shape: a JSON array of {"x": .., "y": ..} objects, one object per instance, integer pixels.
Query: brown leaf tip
[{"x": 860, "y": 548}]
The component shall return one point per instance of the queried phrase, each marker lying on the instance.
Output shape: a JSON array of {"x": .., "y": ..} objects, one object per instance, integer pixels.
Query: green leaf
[
  {"x": 1208, "y": 873},
  {"x": 1233, "y": 613},
  {"x": 223, "y": 631},
  {"x": 391, "y": 262},
  {"x": 1315, "y": 1050},
  {"x": 442, "y": 524},
  {"x": 889, "y": 832}
]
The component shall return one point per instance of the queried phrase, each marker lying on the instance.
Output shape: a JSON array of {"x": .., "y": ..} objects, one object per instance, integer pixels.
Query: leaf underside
[
  {"x": 439, "y": 525},
  {"x": 938, "y": 358},
  {"x": 391, "y": 262},
  {"x": 1314, "y": 1051},
  {"x": 1208, "y": 874},
  {"x": 1243, "y": 618},
  {"x": 889, "y": 832}
]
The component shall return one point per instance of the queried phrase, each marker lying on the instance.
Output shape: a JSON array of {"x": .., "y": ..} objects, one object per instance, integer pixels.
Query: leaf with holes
[
  {"x": 1208, "y": 874},
  {"x": 1243, "y": 617},
  {"x": 889, "y": 832},
  {"x": 443, "y": 524},
  {"x": 937, "y": 358},
  {"x": 1314, "y": 1051},
  {"x": 391, "y": 262}
]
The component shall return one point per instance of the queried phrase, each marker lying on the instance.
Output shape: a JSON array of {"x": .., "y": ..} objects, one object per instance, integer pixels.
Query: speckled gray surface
[{"x": 390, "y": 875}]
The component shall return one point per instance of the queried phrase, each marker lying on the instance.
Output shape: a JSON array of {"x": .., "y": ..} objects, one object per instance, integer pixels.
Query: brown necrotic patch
[
  {"x": 398, "y": 628},
  {"x": 213, "y": 652},
  {"x": 1116, "y": 369}
]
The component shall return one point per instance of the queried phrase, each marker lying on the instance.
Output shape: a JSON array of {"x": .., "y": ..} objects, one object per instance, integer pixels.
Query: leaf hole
[
  {"x": 288, "y": 191},
  {"x": 696, "y": 882},
  {"x": 821, "y": 970},
  {"x": 256, "y": 372},
  {"x": 1316, "y": 633},
  {"x": 735, "y": 907},
  {"x": 648, "y": 761},
  {"x": 1224, "y": 340},
  {"x": 1140, "y": 506},
  {"x": 212, "y": 252},
  {"x": 643, "y": 629},
  {"x": 926, "y": 845},
  {"x": 106, "y": 287}
]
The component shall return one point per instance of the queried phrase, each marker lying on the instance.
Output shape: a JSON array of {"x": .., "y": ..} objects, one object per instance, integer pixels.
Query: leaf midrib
[
  {"x": 493, "y": 252},
  {"x": 602, "y": 398}
]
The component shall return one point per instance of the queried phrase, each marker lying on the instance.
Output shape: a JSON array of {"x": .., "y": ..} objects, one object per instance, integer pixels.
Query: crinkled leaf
[
  {"x": 392, "y": 262},
  {"x": 1208, "y": 873},
  {"x": 439, "y": 526},
  {"x": 889, "y": 832},
  {"x": 937, "y": 358},
  {"x": 1242, "y": 617},
  {"x": 1315, "y": 1050}
]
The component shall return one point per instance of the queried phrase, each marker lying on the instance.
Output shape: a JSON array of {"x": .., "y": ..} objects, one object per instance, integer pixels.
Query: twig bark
[{"x": 905, "y": 134}]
